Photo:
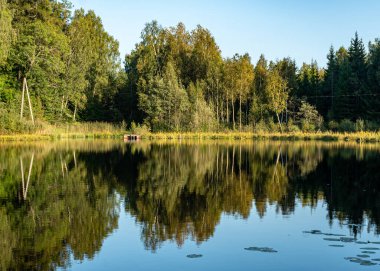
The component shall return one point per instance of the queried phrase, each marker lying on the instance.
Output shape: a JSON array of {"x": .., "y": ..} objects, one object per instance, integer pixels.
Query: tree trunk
[
  {"x": 233, "y": 113},
  {"x": 286, "y": 112},
  {"x": 217, "y": 106},
  {"x": 246, "y": 113},
  {"x": 240, "y": 112},
  {"x": 227, "y": 109},
  {"x": 75, "y": 112},
  {"x": 279, "y": 122},
  {"x": 62, "y": 104}
]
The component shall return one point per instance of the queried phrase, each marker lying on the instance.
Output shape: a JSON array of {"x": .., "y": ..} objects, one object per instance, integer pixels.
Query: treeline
[
  {"x": 69, "y": 62},
  {"x": 179, "y": 80},
  {"x": 174, "y": 79}
]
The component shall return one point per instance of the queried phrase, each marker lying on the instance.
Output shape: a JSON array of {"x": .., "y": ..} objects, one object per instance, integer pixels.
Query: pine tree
[
  {"x": 357, "y": 81},
  {"x": 344, "y": 100},
  {"x": 374, "y": 79},
  {"x": 329, "y": 84}
]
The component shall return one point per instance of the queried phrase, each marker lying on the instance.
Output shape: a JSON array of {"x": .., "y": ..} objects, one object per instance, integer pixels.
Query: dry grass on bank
[{"x": 107, "y": 130}]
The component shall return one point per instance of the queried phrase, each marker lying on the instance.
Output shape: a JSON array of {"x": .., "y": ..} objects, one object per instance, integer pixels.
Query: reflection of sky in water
[
  {"x": 182, "y": 194},
  {"x": 123, "y": 250}
]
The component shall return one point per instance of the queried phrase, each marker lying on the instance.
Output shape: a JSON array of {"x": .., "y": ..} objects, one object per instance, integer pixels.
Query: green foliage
[
  {"x": 7, "y": 33},
  {"x": 309, "y": 117},
  {"x": 174, "y": 79},
  {"x": 138, "y": 129},
  {"x": 346, "y": 125},
  {"x": 359, "y": 125},
  {"x": 333, "y": 125},
  {"x": 71, "y": 65},
  {"x": 165, "y": 102},
  {"x": 291, "y": 127},
  {"x": 276, "y": 93}
]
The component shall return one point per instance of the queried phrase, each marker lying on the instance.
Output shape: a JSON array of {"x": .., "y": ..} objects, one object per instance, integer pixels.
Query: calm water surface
[{"x": 108, "y": 205}]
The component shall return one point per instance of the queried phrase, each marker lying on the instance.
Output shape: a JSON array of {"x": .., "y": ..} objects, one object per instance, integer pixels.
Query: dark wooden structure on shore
[{"x": 132, "y": 137}]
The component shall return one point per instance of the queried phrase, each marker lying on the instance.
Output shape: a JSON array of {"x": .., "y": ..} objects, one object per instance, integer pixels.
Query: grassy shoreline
[{"x": 373, "y": 137}]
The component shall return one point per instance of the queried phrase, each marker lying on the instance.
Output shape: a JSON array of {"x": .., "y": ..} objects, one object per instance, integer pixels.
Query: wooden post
[
  {"x": 30, "y": 172},
  {"x": 25, "y": 186},
  {"x": 22, "y": 177},
  {"x": 30, "y": 103},
  {"x": 22, "y": 98}
]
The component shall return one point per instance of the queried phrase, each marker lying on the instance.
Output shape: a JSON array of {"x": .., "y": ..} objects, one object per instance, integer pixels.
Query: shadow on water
[{"x": 61, "y": 200}]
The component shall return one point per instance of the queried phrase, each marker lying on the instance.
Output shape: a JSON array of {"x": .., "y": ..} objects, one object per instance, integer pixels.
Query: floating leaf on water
[
  {"x": 334, "y": 234},
  {"x": 368, "y": 252},
  {"x": 376, "y": 260},
  {"x": 376, "y": 243},
  {"x": 332, "y": 239},
  {"x": 192, "y": 256},
  {"x": 370, "y": 248},
  {"x": 361, "y": 243},
  {"x": 347, "y": 239},
  {"x": 367, "y": 263},
  {"x": 354, "y": 225},
  {"x": 336, "y": 245},
  {"x": 261, "y": 249},
  {"x": 363, "y": 256},
  {"x": 313, "y": 232},
  {"x": 354, "y": 259}
]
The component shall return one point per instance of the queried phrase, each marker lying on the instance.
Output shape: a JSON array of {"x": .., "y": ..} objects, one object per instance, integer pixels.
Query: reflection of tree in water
[
  {"x": 67, "y": 209},
  {"x": 350, "y": 186},
  {"x": 174, "y": 191},
  {"x": 181, "y": 190}
]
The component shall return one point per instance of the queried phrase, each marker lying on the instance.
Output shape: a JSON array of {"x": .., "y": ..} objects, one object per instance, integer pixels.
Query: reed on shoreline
[{"x": 373, "y": 137}]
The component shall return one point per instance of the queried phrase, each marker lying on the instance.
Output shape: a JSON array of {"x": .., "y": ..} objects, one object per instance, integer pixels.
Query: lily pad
[
  {"x": 261, "y": 249},
  {"x": 337, "y": 246},
  {"x": 361, "y": 243},
  {"x": 376, "y": 260},
  {"x": 347, "y": 239},
  {"x": 313, "y": 232},
  {"x": 370, "y": 248},
  {"x": 376, "y": 243},
  {"x": 334, "y": 234},
  {"x": 367, "y": 263},
  {"x": 363, "y": 256},
  {"x": 332, "y": 239},
  {"x": 193, "y": 256},
  {"x": 354, "y": 259},
  {"x": 368, "y": 252}
]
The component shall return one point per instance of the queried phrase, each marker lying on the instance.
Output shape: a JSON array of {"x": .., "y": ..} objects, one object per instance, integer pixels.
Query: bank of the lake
[{"x": 370, "y": 137}]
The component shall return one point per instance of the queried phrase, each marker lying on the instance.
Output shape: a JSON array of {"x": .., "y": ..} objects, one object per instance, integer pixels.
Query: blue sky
[{"x": 301, "y": 29}]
